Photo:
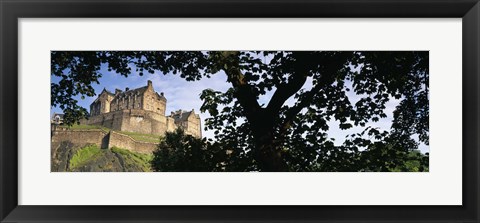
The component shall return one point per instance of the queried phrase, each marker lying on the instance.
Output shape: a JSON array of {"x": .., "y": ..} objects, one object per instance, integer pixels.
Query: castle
[{"x": 140, "y": 110}]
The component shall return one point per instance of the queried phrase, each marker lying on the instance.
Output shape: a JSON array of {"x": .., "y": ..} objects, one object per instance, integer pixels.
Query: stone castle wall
[
  {"x": 102, "y": 139},
  {"x": 193, "y": 126},
  {"x": 134, "y": 120},
  {"x": 80, "y": 137},
  {"x": 152, "y": 103},
  {"x": 126, "y": 142},
  {"x": 112, "y": 120}
]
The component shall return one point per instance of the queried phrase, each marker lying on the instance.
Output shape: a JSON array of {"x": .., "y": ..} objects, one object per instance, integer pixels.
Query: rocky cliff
[{"x": 69, "y": 157}]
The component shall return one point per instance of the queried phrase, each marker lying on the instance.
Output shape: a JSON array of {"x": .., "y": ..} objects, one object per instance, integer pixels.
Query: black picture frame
[{"x": 11, "y": 11}]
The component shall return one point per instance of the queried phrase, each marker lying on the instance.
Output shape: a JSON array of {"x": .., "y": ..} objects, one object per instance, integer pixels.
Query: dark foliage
[{"x": 180, "y": 152}]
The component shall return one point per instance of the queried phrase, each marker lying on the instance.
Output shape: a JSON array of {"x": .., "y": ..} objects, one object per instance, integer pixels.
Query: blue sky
[{"x": 185, "y": 95}]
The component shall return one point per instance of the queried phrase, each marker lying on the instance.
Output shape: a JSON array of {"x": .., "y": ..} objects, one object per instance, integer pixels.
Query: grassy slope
[
  {"x": 89, "y": 155},
  {"x": 136, "y": 159},
  {"x": 84, "y": 155},
  {"x": 88, "y": 127},
  {"x": 143, "y": 137}
]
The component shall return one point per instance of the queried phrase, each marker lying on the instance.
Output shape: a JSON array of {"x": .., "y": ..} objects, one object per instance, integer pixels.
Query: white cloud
[{"x": 185, "y": 95}]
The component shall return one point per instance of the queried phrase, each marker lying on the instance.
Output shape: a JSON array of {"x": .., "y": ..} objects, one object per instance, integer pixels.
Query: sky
[{"x": 185, "y": 95}]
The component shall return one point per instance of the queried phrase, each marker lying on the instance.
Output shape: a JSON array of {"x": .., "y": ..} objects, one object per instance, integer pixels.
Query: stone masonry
[
  {"x": 140, "y": 110},
  {"x": 101, "y": 138}
]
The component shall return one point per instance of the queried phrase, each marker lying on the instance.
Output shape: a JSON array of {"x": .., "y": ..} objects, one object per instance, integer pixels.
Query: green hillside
[{"x": 93, "y": 159}]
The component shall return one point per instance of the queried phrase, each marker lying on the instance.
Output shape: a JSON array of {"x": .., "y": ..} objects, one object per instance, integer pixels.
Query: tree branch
[
  {"x": 329, "y": 69},
  {"x": 301, "y": 104},
  {"x": 285, "y": 91},
  {"x": 303, "y": 63},
  {"x": 243, "y": 91}
]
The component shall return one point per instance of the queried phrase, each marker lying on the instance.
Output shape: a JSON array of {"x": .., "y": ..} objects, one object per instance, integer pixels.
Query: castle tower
[
  {"x": 152, "y": 101},
  {"x": 102, "y": 103},
  {"x": 188, "y": 121}
]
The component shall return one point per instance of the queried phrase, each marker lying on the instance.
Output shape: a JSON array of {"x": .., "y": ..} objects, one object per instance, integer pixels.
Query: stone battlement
[{"x": 134, "y": 120}]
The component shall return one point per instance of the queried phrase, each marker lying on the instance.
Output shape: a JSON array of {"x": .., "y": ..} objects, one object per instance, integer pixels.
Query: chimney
[
  {"x": 118, "y": 91},
  {"x": 149, "y": 84}
]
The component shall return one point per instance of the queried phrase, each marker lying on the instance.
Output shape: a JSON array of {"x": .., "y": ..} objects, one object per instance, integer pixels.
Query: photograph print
[{"x": 239, "y": 111}]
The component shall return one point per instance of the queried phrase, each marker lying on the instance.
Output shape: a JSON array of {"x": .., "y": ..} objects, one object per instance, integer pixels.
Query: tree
[
  {"x": 184, "y": 153},
  {"x": 277, "y": 136}
]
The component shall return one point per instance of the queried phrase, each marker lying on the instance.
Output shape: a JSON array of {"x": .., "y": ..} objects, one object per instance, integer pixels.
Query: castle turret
[
  {"x": 102, "y": 103},
  {"x": 149, "y": 84}
]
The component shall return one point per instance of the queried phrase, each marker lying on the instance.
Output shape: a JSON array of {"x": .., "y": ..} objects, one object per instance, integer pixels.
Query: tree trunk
[
  {"x": 268, "y": 153},
  {"x": 269, "y": 158}
]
